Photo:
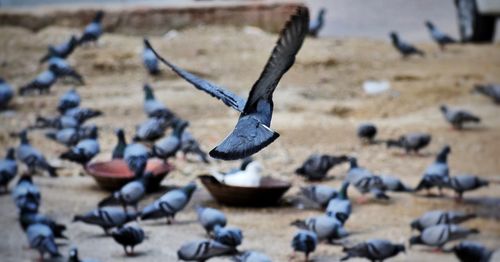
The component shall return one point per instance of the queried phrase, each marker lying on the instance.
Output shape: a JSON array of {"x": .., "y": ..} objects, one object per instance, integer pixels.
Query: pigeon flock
[{"x": 164, "y": 135}]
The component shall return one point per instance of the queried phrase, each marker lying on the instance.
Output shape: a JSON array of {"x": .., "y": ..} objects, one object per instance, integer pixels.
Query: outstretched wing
[
  {"x": 228, "y": 97},
  {"x": 282, "y": 58}
]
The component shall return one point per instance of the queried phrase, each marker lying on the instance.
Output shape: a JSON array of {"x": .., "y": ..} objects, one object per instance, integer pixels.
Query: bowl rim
[{"x": 90, "y": 168}]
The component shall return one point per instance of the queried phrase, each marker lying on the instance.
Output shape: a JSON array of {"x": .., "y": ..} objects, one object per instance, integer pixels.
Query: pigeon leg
[
  {"x": 307, "y": 256},
  {"x": 126, "y": 251},
  {"x": 292, "y": 256},
  {"x": 132, "y": 250}
]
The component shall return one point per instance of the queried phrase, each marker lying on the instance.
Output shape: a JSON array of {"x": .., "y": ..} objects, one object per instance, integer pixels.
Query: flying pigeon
[
  {"x": 154, "y": 108},
  {"x": 463, "y": 183},
  {"x": 367, "y": 132},
  {"x": 41, "y": 238},
  {"x": 136, "y": 156},
  {"x": 404, "y": 48},
  {"x": 438, "y": 217},
  {"x": 320, "y": 194},
  {"x": 394, "y": 184},
  {"x": 121, "y": 145},
  {"x": 71, "y": 136},
  {"x": 92, "y": 31},
  {"x": 31, "y": 157},
  {"x": 41, "y": 83},
  {"x": 26, "y": 195},
  {"x": 437, "y": 174},
  {"x": 316, "y": 25},
  {"x": 492, "y": 91},
  {"x": 62, "y": 50},
  {"x": 373, "y": 250},
  {"x": 189, "y": 145},
  {"x": 169, "y": 204},
  {"x": 81, "y": 114},
  {"x": 340, "y": 207},
  {"x": 249, "y": 177},
  {"x": 210, "y": 217},
  {"x": 8, "y": 168},
  {"x": 326, "y": 227},
  {"x": 467, "y": 251},
  {"x": 149, "y": 59},
  {"x": 84, "y": 151},
  {"x": 62, "y": 69},
  {"x": 28, "y": 218},
  {"x": 412, "y": 142},
  {"x": 59, "y": 122},
  {"x": 457, "y": 117},
  {"x": 6, "y": 93},
  {"x": 107, "y": 217},
  {"x": 68, "y": 100},
  {"x": 252, "y": 256},
  {"x": 317, "y": 166},
  {"x": 229, "y": 236},
  {"x": 439, "y": 37},
  {"x": 151, "y": 129},
  {"x": 439, "y": 235},
  {"x": 74, "y": 257},
  {"x": 252, "y": 132},
  {"x": 304, "y": 241},
  {"x": 128, "y": 236},
  {"x": 130, "y": 194},
  {"x": 365, "y": 181},
  {"x": 168, "y": 146},
  {"x": 202, "y": 250}
]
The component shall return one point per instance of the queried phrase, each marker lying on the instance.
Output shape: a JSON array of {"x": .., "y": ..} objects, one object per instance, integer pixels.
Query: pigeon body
[
  {"x": 229, "y": 236},
  {"x": 68, "y": 100},
  {"x": 467, "y": 251},
  {"x": 439, "y": 235},
  {"x": 150, "y": 61},
  {"x": 404, "y": 48},
  {"x": 128, "y": 236},
  {"x": 26, "y": 195},
  {"x": 62, "y": 50},
  {"x": 189, "y": 145},
  {"x": 249, "y": 177},
  {"x": 167, "y": 147},
  {"x": 394, "y": 184},
  {"x": 41, "y": 83},
  {"x": 92, "y": 31},
  {"x": 457, "y": 118},
  {"x": 304, "y": 241},
  {"x": 84, "y": 151},
  {"x": 316, "y": 25},
  {"x": 130, "y": 194},
  {"x": 340, "y": 207},
  {"x": 31, "y": 157},
  {"x": 202, "y": 250},
  {"x": 317, "y": 166},
  {"x": 412, "y": 142},
  {"x": 439, "y": 37},
  {"x": 6, "y": 94},
  {"x": 28, "y": 218},
  {"x": 136, "y": 156},
  {"x": 437, "y": 174},
  {"x": 8, "y": 168},
  {"x": 373, "y": 250},
  {"x": 326, "y": 227},
  {"x": 438, "y": 217},
  {"x": 365, "y": 181},
  {"x": 121, "y": 145},
  {"x": 41, "y": 238},
  {"x": 367, "y": 132},
  {"x": 59, "y": 122},
  {"x": 151, "y": 129},
  {"x": 463, "y": 183},
  {"x": 71, "y": 136},
  {"x": 319, "y": 194},
  {"x": 81, "y": 114},
  {"x": 169, "y": 204},
  {"x": 492, "y": 91},
  {"x": 62, "y": 69},
  {"x": 106, "y": 217},
  {"x": 209, "y": 218}
]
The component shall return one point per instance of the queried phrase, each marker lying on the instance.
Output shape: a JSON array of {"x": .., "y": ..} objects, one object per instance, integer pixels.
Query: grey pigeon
[
  {"x": 317, "y": 166},
  {"x": 229, "y": 236},
  {"x": 304, "y": 241},
  {"x": 128, "y": 236},
  {"x": 151, "y": 129},
  {"x": 316, "y": 25},
  {"x": 463, "y": 183},
  {"x": 202, "y": 250},
  {"x": 41, "y": 83},
  {"x": 189, "y": 145},
  {"x": 404, "y": 48},
  {"x": 28, "y": 218},
  {"x": 68, "y": 100},
  {"x": 59, "y": 122},
  {"x": 92, "y": 31},
  {"x": 149, "y": 59},
  {"x": 326, "y": 227},
  {"x": 121, "y": 145},
  {"x": 394, "y": 184},
  {"x": 169, "y": 204},
  {"x": 130, "y": 194},
  {"x": 168, "y": 146},
  {"x": 467, "y": 251},
  {"x": 252, "y": 256},
  {"x": 81, "y": 114},
  {"x": 492, "y": 91},
  {"x": 457, "y": 117},
  {"x": 154, "y": 108},
  {"x": 41, "y": 238},
  {"x": 365, "y": 181},
  {"x": 373, "y": 250},
  {"x": 136, "y": 156},
  {"x": 71, "y": 136},
  {"x": 438, "y": 217},
  {"x": 74, "y": 257},
  {"x": 319, "y": 194},
  {"x": 31, "y": 157},
  {"x": 439, "y": 235},
  {"x": 210, "y": 217},
  {"x": 26, "y": 194},
  {"x": 252, "y": 132},
  {"x": 340, "y": 207},
  {"x": 62, "y": 50},
  {"x": 84, "y": 151},
  {"x": 367, "y": 132},
  {"x": 6, "y": 94},
  {"x": 8, "y": 168},
  {"x": 62, "y": 69},
  {"x": 106, "y": 217},
  {"x": 439, "y": 37},
  {"x": 437, "y": 174},
  {"x": 411, "y": 142}
]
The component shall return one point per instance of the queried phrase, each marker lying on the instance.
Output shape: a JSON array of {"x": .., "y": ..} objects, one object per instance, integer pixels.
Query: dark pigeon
[
  {"x": 189, "y": 145},
  {"x": 6, "y": 94},
  {"x": 68, "y": 100},
  {"x": 130, "y": 194},
  {"x": 136, "y": 156},
  {"x": 439, "y": 37},
  {"x": 107, "y": 217},
  {"x": 84, "y": 151},
  {"x": 304, "y": 241},
  {"x": 28, "y": 218},
  {"x": 317, "y": 166},
  {"x": 92, "y": 31},
  {"x": 63, "y": 69},
  {"x": 405, "y": 49},
  {"x": 252, "y": 256},
  {"x": 31, "y": 157},
  {"x": 463, "y": 183},
  {"x": 41, "y": 238},
  {"x": 438, "y": 217},
  {"x": 62, "y": 51},
  {"x": 149, "y": 59},
  {"x": 202, "y": 250},
  {"x": 252, "y": 132},
  {"x": 491, "y": 91},
  {"x": 411, "y": 142},
  {"x": 229, "y": 236},
  {"x": 437, "y": 174},
  {"x": 373, "y": 250},
  {"x": 315, "y": 26},
  {"x": 439, "y": 235},
  {"x": 467, "y": 251},
  {"x": 128, "y": 236},
  {"x": 367, "y": 132},
  {"x": 457, "y": 117},
  {"x": 167, "y": 147},
  {"x": 41, "y": 83},
  {"x": 8, "y": 168},
  {"x": 121, "y": 145}
]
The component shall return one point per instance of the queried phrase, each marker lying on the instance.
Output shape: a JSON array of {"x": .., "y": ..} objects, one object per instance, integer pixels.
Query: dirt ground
[{"x": 318, "y": 106}]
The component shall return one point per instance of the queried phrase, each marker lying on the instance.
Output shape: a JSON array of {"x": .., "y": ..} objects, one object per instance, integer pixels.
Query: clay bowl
[
  {"x": 268, "y": 194},
  {"x": 112, "y": 175}
]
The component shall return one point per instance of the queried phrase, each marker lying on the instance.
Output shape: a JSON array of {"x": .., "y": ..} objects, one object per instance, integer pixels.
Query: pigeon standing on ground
[
  {"x": 62, "y": 50},
  {"x": 439, "y": 235},
  {"x": 463, "y": 183},
  {"x": 457, "y": 117},
  {"x": 367, "y": 132},
  {"x": 68, "y": 100},
  {"x": 27, "y": 218},
  {"x": 492, "y": 91},
  {"x": 128, "y": 236},
  {"x": 167, "y": 147},
  {"x": 136, "y": 156},
  {"x": 437, "y": 174},
  {"x": 210, "y": 217},
  {"x": 151, "y": 129},
  {"x": 317, "y": 166},
  {"x": 149, "y": 59},
  {"x": 316, "y": 25},
  {"x": 62, "y": 69},
  {"x": 374, "y": 250},
  {"x": 154, "y": 108},
  {"x": 189, "y": 145},
  {"x": 41, "y": 83},
  {"x": 84, "y": 151},
  {"x": 404, "y": 48},
  {"x": 71, "y": 136},
  {"x": 252, "y": 132},
  {"x": 319, "y": 194},
  {"x": 365, "y": 181},
  {"x": 8, "y": 168},
  {"x": 340, "y": 207},
  {"x": 26, "y": 195},
  {"x": 439, "y": 37},
  {"x": 130, "y": 194},
  {"x": 467, "y": 251},
  {"x": 81, "y": 114},
  {"x": 438, "y": 217},
  {"x": 6, "y": 94},
  {"x": 31, "y": 157},
  {"x": 229, "y": 236},
  {"x": 107, "y": 217},
  {"x": 412, "y": 142},
  {"x": 121, "y": 145},
  {"x": 326, "y": 227},
  {"x": 41, "y": 238},
  {"x": 304, "y": 241},
  {"x": 202, "y": 250},
  {"x": 394, "y": 184},
  {"x": 169, "y": 204},
  {"x": 92, "y": 31}
]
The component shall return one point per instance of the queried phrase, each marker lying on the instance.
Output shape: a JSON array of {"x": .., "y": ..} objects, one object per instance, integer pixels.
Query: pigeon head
[
  {"x": 73, "y": 254},
  {"x": 300, "y": 171},
  {"x": 98, "y": 17},
  {"x": 148, "y": 92},
  {"x": 394, "y": 37},
  {"x": 415, "y": 240},
  {"x": 73, "y": 40},
  {"x": 354, "y": 162},
  {"x": 322, "y": 13},
  {"x": 245, "y": 162},
  {"x": 429, "y": 24},
  {"x": 94, "y": 132},
  {"x": 11, "y": 154},
  {"x": 400, "y": 248},
  {"x": 146, "y": 41},
  {"x": 25, "y": 178},
  {"x": 299, "y": 224},
  {"x": 120, "y": 134},
  {"x": 23, "y": 135},
  {"x": 189, "y": 188},
  {"x": 179, "y": 127},
  {"x": 53, "y": 68},
  {"x": 443, "y": 108},
  {"x": 415, "y": 225}
]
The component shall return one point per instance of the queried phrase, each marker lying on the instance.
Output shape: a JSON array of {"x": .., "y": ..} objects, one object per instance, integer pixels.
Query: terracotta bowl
[
  {"x": 268, "y": 194},
  {"x": 112, "y": 175}
]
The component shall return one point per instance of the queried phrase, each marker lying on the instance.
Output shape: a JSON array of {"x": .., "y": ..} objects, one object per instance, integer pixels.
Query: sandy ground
[{"x": 318, "y": 106}]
